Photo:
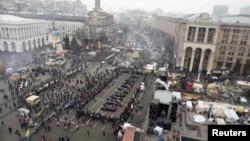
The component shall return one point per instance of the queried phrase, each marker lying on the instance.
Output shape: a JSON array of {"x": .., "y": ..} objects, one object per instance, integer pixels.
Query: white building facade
[
  {"x": 199, "y": 45},
  {"x": 19, "y": 34},
  {"x": 65, "y": 27}
]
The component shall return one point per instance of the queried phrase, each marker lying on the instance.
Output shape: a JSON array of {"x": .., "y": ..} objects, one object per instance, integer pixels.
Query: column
[
  {"x": 183, "y": 59},
  {"x": 201, "y": 60},
  {"x": 32, "y": 32},
  {"x": 192, "y": 61},
  {"x": 196, "y": 34},
  {"x": 23, "y": 33},
  {"x": 210, "y": 63},
  {"x": 186, "y": 36},
  {"x": 17, "y": 34},
  {"x": 29, "y": 33},
  {"x": 14, "y": 33},
  {"x": 4, "y": 33},
  {"x": 215, "y": 35},
  {"x": 1, "y": 33},
  {"x": 10, "y": 33},
  {"x": 206, "y": 34}
]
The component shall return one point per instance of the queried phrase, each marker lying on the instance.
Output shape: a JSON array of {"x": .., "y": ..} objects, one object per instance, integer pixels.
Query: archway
[
  {"x": 29, "y": 44},
  {"x": 188, "y": 55},
  {"x": 34, "y": 43},
  {"x": 38, "y": 42},
  {"x": 197, "y": 59},
  {"x": 24, "y": 46},
  {"x": 5, "y": 46},
  {"x": 13, "y": 47}
]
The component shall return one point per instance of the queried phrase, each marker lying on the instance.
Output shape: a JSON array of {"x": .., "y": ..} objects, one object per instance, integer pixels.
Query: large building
[
  {"x": 207, "y": 44},
  {"x": 20, "y": 34},
  {"x": 233, "y": 42},
  {"x": 100, "y": 23},
  {"x": 219, "y": 10},
  {"x": 245, "y": 10}
]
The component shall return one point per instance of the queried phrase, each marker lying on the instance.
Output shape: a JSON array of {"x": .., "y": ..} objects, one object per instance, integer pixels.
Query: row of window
[
  {"x": 233, "y": 48},
  {"x": 229, "y": 59},
  {"x": 235, "y": 31}
]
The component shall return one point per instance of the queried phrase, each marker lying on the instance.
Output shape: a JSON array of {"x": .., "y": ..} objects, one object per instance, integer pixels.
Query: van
[
  {"x": 33, "y": 100},
  {"x": 23, "y": 111}
]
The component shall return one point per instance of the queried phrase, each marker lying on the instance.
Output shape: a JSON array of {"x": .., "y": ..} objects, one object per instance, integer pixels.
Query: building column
[
  {"x": 10, "y": 33},
  {"x": 183, "y": 59},
  {"x": 186, "y": 36},
  {"x": 25, "y": 32},
  {"x": 210, "y": 63},
  {"x": 29, "y": 32},
  {"x": 17, "y": 34},
  {"x": 206, "y": 34},
  {"x": 1, "y": 33},
  {"x": 201, "y": 60},
  {"x": 14, "y": 33},
  {"x": 4, "y": 33},
  {"x": 196, "y": 34},
  {"x": 32, "y": 31},
  {"x": 215, "y": 35},
  {"x": 22, "y": 33},
  {"x": 192, "y": 61},
  {"x": 36, "y": 31}
]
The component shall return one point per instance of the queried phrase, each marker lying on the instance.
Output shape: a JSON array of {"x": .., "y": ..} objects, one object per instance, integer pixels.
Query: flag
[{"x": 27, "y": 134}]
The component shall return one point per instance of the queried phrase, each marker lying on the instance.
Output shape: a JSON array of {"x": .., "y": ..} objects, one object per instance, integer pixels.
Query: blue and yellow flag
[{"x": 27, "y": 134}]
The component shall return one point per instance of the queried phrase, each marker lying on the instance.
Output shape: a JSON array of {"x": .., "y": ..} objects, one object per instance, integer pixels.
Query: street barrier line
[
  {"x": 94, "y": 125},
  {"x": 72, "y": 117},
  {"x": 103, "y": 127}
]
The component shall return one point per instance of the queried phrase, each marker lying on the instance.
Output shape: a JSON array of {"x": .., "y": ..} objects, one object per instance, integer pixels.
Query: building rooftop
[
  {"x": 164, "y": 96},
  {"x": 235, "y": 19},
  {"x": 10, "y": 19}
]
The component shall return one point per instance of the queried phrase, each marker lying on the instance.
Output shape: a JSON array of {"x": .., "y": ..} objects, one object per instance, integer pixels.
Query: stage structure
[{"x": 54, "y": 52}]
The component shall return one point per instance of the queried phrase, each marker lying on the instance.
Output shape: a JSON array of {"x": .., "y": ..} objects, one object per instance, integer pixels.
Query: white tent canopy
[
  {"x": 158, "y": 80},
  {"x": 150, "y": 67}
]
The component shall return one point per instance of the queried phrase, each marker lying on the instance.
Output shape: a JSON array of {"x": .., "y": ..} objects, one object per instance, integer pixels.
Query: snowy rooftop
[
  {"x": 10, "y": 19},
  {"x": 235, "y": 19}
]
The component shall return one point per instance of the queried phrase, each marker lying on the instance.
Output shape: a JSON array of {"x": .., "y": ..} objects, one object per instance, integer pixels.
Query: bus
[{"x": 110, "y": 58}]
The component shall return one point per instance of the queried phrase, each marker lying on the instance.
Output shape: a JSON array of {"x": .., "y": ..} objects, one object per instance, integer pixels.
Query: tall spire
[{"x": 97, "y": 5}]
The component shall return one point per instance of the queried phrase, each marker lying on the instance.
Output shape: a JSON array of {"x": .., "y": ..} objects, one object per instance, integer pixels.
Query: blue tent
[{"x": 161, "y": 138}]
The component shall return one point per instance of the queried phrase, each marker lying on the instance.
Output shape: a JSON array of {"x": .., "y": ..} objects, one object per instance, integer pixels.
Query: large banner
[{"x": 53, "y": 37}]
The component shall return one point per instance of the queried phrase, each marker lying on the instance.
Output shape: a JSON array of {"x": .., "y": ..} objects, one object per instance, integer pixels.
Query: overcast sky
[{"x": 175, "y": 6}]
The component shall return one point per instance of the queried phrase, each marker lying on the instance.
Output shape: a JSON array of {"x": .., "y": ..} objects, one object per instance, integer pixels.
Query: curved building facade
[{"x": 20, "y": 34}]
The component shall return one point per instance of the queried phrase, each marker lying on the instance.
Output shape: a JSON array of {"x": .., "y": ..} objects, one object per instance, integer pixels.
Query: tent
[
  {"x": 189, "y": 84},
  {"x": 158, "y": 80},
  {"x": 158, "y": 130},
  {"x": 213, "y": 89},
  {"x": 161, "y": 138},
  {"x": 149, "y": 67},
  {"x": 220, "y": 121},
  {"x": 215, "y": 78},
  {"x": 189, "y": 105},
  {"x": 218, "y": 113},
  {"x": 177, "y": 95}
]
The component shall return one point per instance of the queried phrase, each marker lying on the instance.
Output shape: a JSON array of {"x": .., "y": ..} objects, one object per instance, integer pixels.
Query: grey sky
[{"x": 175, "y": 6}]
